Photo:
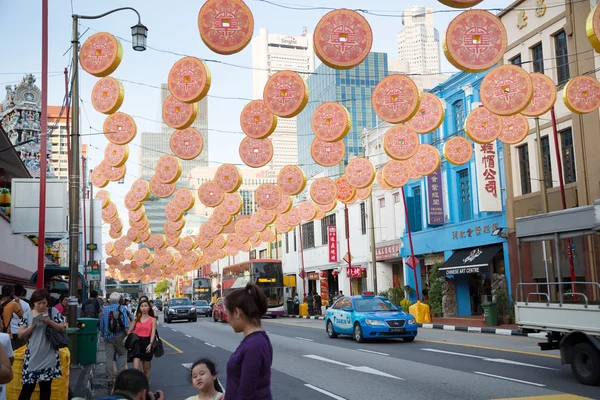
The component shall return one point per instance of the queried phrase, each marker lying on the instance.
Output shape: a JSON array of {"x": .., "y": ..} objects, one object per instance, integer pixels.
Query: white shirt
[
  {"x": 14, "y": 322},
  {"x": 5, "y": 342}
]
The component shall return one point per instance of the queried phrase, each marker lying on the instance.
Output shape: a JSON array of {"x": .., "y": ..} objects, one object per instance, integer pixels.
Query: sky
[{"x": 172, "y": 28}]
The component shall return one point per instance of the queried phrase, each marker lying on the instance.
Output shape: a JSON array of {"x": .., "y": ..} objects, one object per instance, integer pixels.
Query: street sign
[
  {"x": 92, "y": 246},
  {"x": 346, "y": 258},
  {"x": 412, "y": 262}
]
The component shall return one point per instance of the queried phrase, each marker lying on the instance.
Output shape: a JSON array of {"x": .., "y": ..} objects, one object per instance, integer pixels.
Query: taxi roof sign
[{"x": 368, "y": 294}]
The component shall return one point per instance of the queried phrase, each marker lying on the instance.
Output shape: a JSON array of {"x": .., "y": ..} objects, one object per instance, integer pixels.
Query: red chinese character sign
[
  {"x": 488, "y": 178},
  {"x": 357, "y": 272},
  {"x": 332, "y": 241}
]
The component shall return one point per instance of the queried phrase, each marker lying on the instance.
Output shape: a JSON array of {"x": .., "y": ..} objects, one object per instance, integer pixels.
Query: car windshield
[
  {"x": 179, "y": 302},
  {"x": 201, "y": 303},
  {"x": 374, "y": 304}
]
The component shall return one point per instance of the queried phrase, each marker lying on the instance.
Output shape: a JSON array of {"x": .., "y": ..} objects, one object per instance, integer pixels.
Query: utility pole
[{"x": 373, "y": 254}]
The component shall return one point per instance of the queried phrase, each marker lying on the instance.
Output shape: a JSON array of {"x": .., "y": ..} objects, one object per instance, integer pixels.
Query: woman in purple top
[{"x": 249, "y": 367}]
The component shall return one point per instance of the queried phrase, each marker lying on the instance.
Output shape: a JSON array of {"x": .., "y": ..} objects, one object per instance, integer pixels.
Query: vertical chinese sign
[
  {"x": 332, "y": 241},
  {"x": 435, "y": 198},
  {"x": 488, "y": 179}
]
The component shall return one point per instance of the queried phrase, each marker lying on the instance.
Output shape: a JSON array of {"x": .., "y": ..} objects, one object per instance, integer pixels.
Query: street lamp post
[{"x": 139, "y": 34}]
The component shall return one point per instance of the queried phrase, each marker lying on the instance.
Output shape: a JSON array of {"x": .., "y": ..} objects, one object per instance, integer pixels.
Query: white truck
[{"x": 571, "y": 319}]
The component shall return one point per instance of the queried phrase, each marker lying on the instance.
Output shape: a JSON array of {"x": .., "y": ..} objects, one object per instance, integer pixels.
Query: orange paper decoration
[
  {"x": 396, "y": 173},
  {"x": 101, "y": 54},
  {"x": 400, "y": 142},
  {"x": 189, "y": 80},
  {"x": 226, "y": 26},
  {"x": 107, "y": 95},
  {"x": 327, "y": 154},
  {"x": 429, "y": 116},
  {"x": 345, "y": 191},
  {"x": 458, "y": 150},
  {"x": 582, "y": 94},
  {"x": 119, "y": 128},
  {"x": 323, "y": 191},
  {"x": 514, "y": 129},
  {"x": 360, "y": 173},
  {"x": 285, "y": 94},
  {"x": 257, "y": 121},
  {"x": 187, "y": 144},
  {"x": 168, "y": 169},
  {"x": 331, "y": 122},
  {"x": 256, "y": 153},
  {"x": 426, "y": 161},
  {"x": 184, "y": 199},
  {"x": 396, "y": 99},
  {"x": 228, "y": 178},
  {"x": 267, "y": 196},
  {"x": 291, "y": 180},
  {"x": 161, "y": 189},
  {"x": 506, "y": 90},
  {"x": 544, "y": 95},
  {"x": 483, "y": 126},
  {"x": 210, "y": 194}
]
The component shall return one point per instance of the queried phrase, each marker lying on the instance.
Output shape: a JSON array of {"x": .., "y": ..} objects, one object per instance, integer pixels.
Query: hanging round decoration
[
  {"x": 363, "y": 194},
  {"x": 219, "y": 241},
  {"x": 116, "y": 155},
  {"x": 268, "y": 236},
  {"x": 506, "y": 90},
  {"x": 307, "y": 210},
  {"x": 228, "y": 178},
  {"x": 257, "y": 121},
  {"x": 160, "y": 189},
  {"x": 172, "y": 241},
  {"x": 285, "y": 94},
  {"x": 429, "y": 116},
  {"x": 327, "y": 207},
  {"x": 131, "y": 203},
  {"x": 245, "y": 227},
  {"x": 460, "y": 3},
  {"x": 323, "y": 191},
  {"x": 210, "y": 195},
  {"x": 582, "y": 94},
  {"x": 187, "y": 144},
  {"x": 256, "y": 153},
  {"x": 109, "y": 248},
  {"x": 202, "y": 242},
  {"x": 114, "y": 234},
  {"x": 396, "y": 99},
  {"x": 221, "y": 216},
  {"x": 112, "y": 219},
  {"x": 514, "y": 129},
  {"x": 140, "y": 189},
  {"x": 214, "y": 228},
  {"x": 97, "y": 179},
  {"x": 345, "y": 191},
  {"x": 109, "y": 211},
  {"x": 139, "y": 225},
  {"x": 168, "y": 169},
  {"x": 342, "y": 39},
  {"x": 331, "y": 122},
  {"x": 267, "y": 196},
  {"x": 226, "y": 26},
  {"x": 292, "y": 217},
  {"x": 544, "y": 95},
  {"x": 255, "y": 239},
  {"x": 104, "y": 196},
  {"x": 291, "y": 180},
  {"x": 101, "y": 54},
  {"x": 284, "y": 205},
  {"x": 413, "y": 175},
  {"x": 113, "y": 173},
  {"x": 184, "y": 199},
  {"x": 189, "y": 80},
  {"x": 119, "y": 128},
  {"x": 107, "y": 95},
  {"x": 381, "y": 182},
  {"x": 396, "y": 173},
  {"x": 233, "y": 203},
  {"x": 187, "y": 243},
  {"x": 143, "y": 236},
  {"x": 327, "y": 154},
  {"x": 177, "y": 114},
  {"x": 483, "y": 126},
  {"x": 458, "y": 150},
  {"x": 592, "y": 28},
  {"x": 257, "y": 224},
  {"x": 170, "y": 228},
  {"x": 320, "y": 215},
  {"x": 282, "y": 227},
  {"x": 266, "y": 216},
  {"x": 360, "y": 173},
  {"x": 426, "y": 161},
  {"x": 400, "y": 142},
  {"x": 136, "y": 215}
]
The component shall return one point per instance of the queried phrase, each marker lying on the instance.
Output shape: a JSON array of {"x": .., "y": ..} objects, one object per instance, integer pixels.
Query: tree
[
  {"x": 435, "y": 289},
  {"x": 161, "y": 287}
]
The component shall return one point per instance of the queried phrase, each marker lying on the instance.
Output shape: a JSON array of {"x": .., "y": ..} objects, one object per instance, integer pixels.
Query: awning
[{"x": 470, "y": 261}]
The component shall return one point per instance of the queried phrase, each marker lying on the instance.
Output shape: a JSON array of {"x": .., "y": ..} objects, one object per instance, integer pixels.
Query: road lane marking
[
  {"x": 325, "y": 392},
  {"x": 496, "y": 360},
  {"x": 188, "y": 336},
  {"x": 170, "y": 345},
  {"x": 489, "y": 348},
  {"x": 366, "y": 370},
  {"x": 210, "y": 345},
  {"x": 373, "y": 352},
  {"x": 509, "y": 379},
  {"x": 173, "y": 330},
  {"x": 290, "y": 324},
  {"x": 314, "y": 357},
  {"x": 305, "y": 339}
]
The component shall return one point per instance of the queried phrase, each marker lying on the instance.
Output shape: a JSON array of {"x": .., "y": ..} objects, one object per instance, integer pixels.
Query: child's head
[{"x": 204, "y": 375}]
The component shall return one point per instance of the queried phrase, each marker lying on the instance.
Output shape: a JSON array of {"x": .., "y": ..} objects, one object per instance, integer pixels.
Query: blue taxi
[{"x": 369, "y": 317}]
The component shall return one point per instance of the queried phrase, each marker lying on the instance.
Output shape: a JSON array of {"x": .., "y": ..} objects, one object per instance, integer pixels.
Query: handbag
[
  {"x": 57, "y": 339},
  {"x": 157, "y": 346}
]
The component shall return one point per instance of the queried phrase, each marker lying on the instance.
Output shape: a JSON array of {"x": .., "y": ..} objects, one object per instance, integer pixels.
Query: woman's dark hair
[
  {"x": 39, "y": 295},
  {"x": 210, "y": 364},
  {"x": 143, "y": 298},
  {"x": 251, "y": 300},
  {"x": 61, "y": 298},
  {"x": 138, "y": 312}
]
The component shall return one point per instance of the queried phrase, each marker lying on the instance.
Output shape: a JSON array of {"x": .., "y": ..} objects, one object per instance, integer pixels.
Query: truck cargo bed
[{"x": 559, "y": 318}]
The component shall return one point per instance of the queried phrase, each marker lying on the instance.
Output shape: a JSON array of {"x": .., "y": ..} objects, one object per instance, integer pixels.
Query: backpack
[
  {"x": 116, "y": 323},
  {"x": 90, "y": 308},
  {"x": 5, "y": 326}
]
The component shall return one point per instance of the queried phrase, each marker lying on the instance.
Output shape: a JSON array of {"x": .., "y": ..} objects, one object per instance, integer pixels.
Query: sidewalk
[{"x": 89, "y": 381}]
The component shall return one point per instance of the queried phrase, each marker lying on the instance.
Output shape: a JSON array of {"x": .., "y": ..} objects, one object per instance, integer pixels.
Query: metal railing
[{"x": 561, "y": 297}]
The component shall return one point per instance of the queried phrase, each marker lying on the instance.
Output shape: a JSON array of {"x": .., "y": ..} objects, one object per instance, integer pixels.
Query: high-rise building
[
  {"x": 419, "y": 41},
  {"x": 272, "y": 53},
  {"x": 353, "y": 89},
  {"x": 59, "y": 157},
  {"x": 156, "y": 144}
]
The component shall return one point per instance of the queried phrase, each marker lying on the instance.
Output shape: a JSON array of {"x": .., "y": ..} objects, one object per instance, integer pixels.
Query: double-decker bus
[
  {"x": 202, "y": 289},
  {"x": 266, "y": 274}
]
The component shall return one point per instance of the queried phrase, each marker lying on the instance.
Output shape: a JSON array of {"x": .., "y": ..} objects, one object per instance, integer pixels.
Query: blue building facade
[
  {"x": 467, "y": 241},
  {"x": 352, "y": 88}
]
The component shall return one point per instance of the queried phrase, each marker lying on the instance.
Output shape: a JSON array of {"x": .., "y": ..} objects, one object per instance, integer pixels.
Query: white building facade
[
  {"x": 419, "y": 41},
  {"x": 272, "y": 53}
]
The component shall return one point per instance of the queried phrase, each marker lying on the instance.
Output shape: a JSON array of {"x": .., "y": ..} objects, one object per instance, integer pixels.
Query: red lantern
[
  {"x": 335, "y": 272},
  {"x": 323, "y": 274}
]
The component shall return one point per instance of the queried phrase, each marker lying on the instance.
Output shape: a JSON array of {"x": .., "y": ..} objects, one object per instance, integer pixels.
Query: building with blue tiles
[
  {"x": 457, "y": 215},
  {"x": 351, "y": 88}
]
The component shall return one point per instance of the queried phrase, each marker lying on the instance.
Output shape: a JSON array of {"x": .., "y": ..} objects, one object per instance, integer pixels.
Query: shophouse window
[
  {"x": 396, "y": 197},
  {"x": 382, "y": 202},
  {"x": 516, "y": 60},
  {"x": 537, "y": 57},
  {"x": 262, "y": 254},
  {"x": 363, "y": 218},
  {"x": 308, "y": 235},
  {"x": 546, "y": 162},
  {"x": 287, "y": 243},
  {"x": 568, "y": 156},
  {"x": 458, "y": 110},
  {"x": 562, "y": 57},
  {"x": 325, "y": 223},
  {"x": 525, "y": 173},
  {"x": 464, "y": 195},
  {"x": 415, "y": 214}
]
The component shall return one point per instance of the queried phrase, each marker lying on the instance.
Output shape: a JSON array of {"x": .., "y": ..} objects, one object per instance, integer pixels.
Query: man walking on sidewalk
[{"x": 114, "y": 323}]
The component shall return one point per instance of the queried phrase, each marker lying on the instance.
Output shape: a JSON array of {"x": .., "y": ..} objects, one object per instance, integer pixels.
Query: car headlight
[
  {"x": 192, "y": 309},
  {"x": 171, "y": 311},
  {"x": 374, "y": 322},
  {"x": 411, "y": 321}
]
